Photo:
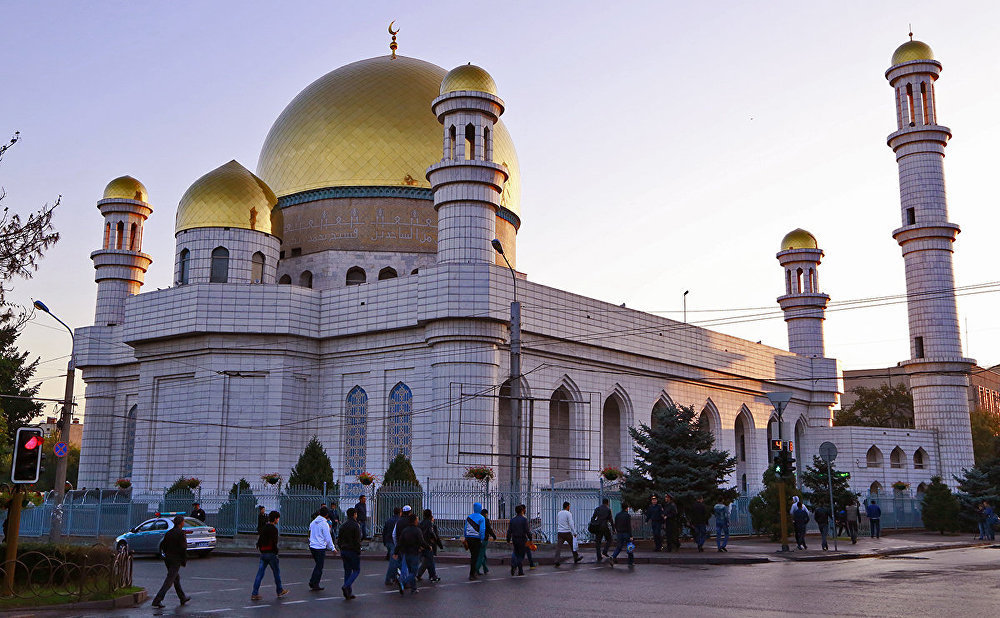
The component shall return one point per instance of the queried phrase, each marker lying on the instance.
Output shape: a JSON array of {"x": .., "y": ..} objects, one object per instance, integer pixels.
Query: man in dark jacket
[
  {"x": 261, "y": 518},
  {"x": 388, "y": 534},
  {"x": 698, "y": 516},
  {"x": 267, "y": 543},
  {"x": 654, "y": 515},
  {"x": 623, "y": 529},
  {"x": 430, "y": 531},
  {"x": 409, "y": 544},
  {"x": 600, "y": 527},
  {"x": 671, "y": 522},
  {"x": 361, "y": 508},
  {"x": 173, "y": 548},
  {"x": 518, "y": 534},
  {"x": 822, "y": 517},
  {"x": 197, "y": 512},
  {"x": 800, "y": 517},
  {"x": 350, "y": 551},
  {"x": 874, "y": 513}
]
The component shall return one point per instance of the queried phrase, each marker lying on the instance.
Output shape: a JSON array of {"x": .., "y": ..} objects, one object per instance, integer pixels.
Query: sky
[{"x": 664, "y": 147}]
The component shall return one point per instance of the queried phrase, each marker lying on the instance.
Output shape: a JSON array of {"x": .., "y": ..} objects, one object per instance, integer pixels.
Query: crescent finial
[
  {"x": 390, "y": 28},
  {"x": 392, "y": 45}
]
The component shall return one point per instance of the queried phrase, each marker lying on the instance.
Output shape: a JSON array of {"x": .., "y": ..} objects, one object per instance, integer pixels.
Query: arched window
[
  {"x": 658, "y": 408},
  {"x": 257, "y": 268},
  {"x": 921, "y": 489},
  {"x": 133, "y": 231},
  {"x": 356, "y": 434},
  {"x": 875, "y": 488},
  {"x": 812, "y": 280},
  {"x": 414, "y": 271},
  {"x": 128, "y": 452},
  {"x": 184, "y": 272},
  {"x": 285, "y": 280},
  {"x": 107, "y": 235},
  {"x": 470, "y": 142},
  {"x": 306, "y": 279},
  {"x": 387, "y": 273},
  {"x": 560, "y": 433},
  {"x": 920, "y": 459},
  {"x": 220, "y": 265},
  {"x": 897, "y": 458},
  {"x": 356, "y": 275},
  {"x": 400, "y": 438},
  {"x": 487, "y": 144},
  {"x": 119, "y": 234},
  {"x": 874, "y": 457},
  {"x": 611, "y": 427},
  {"x": 452, "y": 142},
  {"x": 788, "y": 281},
  {"x": 798, "y": 282}
]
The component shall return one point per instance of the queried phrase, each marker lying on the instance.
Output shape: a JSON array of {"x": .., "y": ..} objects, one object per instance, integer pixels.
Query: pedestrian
[
  {"x": 481, "y": 565},
  {"x": 795, "y": 503},
  {"x": 319, "y": 542},
  {"x": 530, "y": 545},
  {"x": 623, "y": 531},
  {"x": 600, "y": 528},
  {"x": 698, "y": 516},
  {"x": 410, "y": 544},
  {"x": 981, "y": 520},
  {"x": 852, "y": 516},
  {"x": 350, "y": 552},
  {"x": 361, "y": 508},
  {"x": 874, "y": 513},
  {"x": 198, "y": 513},
  {"x": 475, "y": 534},
  {"x": 822, "y": 517},
  {"x": 173, "y": 548},
  {"x": 336, "y": 518},
  {"x": 654, "y": 515},
  {"x": 267, "y": 544},
  {"x": 671, "y": 522},
  {"x": 565, "y": 533},
  {"x": 841, "y": 521},
  {"x": 721, "y": 512},
  {"x": 991, "y": 520},
  {"x": 389, "y": 540},
  {"x": 261, "y": 518},
  {"x": 800, "y": 518},
  {"x": 430, "y": 531},
  {"x": 518, "y": 535}
]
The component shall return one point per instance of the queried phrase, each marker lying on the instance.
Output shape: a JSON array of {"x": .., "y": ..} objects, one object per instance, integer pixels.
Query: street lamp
[
  {"x": 515, "y": 379},
  {"x": 55, "y": 529},
  {"x": 780, "y": 402}
]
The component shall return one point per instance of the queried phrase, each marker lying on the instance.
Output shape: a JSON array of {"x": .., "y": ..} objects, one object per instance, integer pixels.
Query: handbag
[{"x": 576, "y": 544}]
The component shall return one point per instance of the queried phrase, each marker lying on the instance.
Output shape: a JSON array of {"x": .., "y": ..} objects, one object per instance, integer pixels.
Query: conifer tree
[
  {"x": 940, "y": 507},
  {"x": 979, "y": 483},
  {"x": 313, "y": 468},
  {"x": 814, "y": 480},
  {"x": 676, "y": 457},
  {"x": 400, "y": 470}
]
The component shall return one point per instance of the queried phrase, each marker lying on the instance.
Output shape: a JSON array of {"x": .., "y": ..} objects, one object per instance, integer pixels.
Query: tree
[
  {"x": 400, "y": 471},
  {"x": 313, "y": 468},
  {"x": 23, "y": 242},
  {"x": 814, "y": 479},
  {"x": 47, "y": 479},
  {"x": 676, "y": 457},
  {"x": 979, "y": 483},
  {"x": 940, "y": 507},
  {"x": 985, "y": 434},
  {"x": 15, "y": 375},
  {"x": 884, "y": 406},
  {"x": 399, "y": 487},
  {"x": 765, "y": 508}
]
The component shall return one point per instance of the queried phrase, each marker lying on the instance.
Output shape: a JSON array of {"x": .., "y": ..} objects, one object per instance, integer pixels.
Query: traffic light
[
  {"x": 780, "y": 464},
  {"x": 842, "y": 475},
  {"x": 776, "y": 445},
  {"x": 789, "y": 465},
  {"x": 27, "y": 457}
]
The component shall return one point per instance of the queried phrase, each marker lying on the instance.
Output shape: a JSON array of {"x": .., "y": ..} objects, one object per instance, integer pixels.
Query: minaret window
[
  {"x": 119, "y": 235},
  {"x": 909, "y": 103},
  {"x": 220, "y": 265},
  {"x": 107, "y": 235},
  {"x": 452, "y": 139},
  {"x": 470, "y": 142},
  {"x": 184, "y": 272},
  {"x": 257, "y": 264},
  {"x": 285, "y": 280},
  {"x": 356, "y": 275},
  {"x": 911, "y": 216},
  {"x": 788, "y": 281},
  {"x": 306, "y": 279},
  {"x": 487, "y": 144},
  {"x": 923, "y": 101},
  {"x": 918, "y": 347},
  {"x": 132, "y": 237},
  {"x": 387, "y": 273},
  {"x": 798, "y": 281}
]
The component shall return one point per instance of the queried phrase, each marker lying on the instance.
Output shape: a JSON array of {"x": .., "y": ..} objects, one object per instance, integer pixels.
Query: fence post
[
  {"x": 325, "y": 501},
  {"x": 100, "y": 507},
  {"x": 236, "y": 515},
  {"x": 553, "y": 511},
  {"x": 427, "y": 493}
]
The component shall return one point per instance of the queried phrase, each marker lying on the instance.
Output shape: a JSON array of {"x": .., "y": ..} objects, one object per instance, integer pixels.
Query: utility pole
[
  {"x": 515, "y": 382},
  {"x": 780, "y": 401}
]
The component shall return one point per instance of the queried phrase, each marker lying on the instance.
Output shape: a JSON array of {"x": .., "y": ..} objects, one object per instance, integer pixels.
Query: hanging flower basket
[
  {"x": 366, "y": 478},
  {"x": 123, "y": 483},
  {"x": 271, "y": 479},
  {"x": 900, "y": 486},
  {"x": 611, "y": 474},
  {"x": 193, "y": 482},
  {"x": 480, "y": 473}
]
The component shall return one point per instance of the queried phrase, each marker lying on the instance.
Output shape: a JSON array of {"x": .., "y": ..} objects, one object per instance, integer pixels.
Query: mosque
[{"x": 350, "y": 289}]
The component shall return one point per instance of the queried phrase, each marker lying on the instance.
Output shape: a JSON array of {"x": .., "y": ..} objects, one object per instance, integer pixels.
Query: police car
[{"x": 145, "y": 538}]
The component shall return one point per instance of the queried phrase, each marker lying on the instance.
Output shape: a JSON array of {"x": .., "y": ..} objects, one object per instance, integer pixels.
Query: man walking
[
  {"x": 874, "y": 513},
  {"x": 173, "y": 548},
  {"x": 361, "y": 508},
  {"x": 565, "y": 533},
  {"x": 336, "y": 518},
  {"x": 475, "y": 534},
  {"x": 623, "y": 530},
  {"x": 319, "y": 541},
  {"x": 433, "y": 540},
  {"x": 600, "y": 527},
  {"x": 721, "y": 512},
  {"x": 267, "y": 544},
  {"x": 481, "y": 564},
  {"x": 389, "y": 540},
  {"x": 654, "y": 515},
  {"x": 671, "y": 521},
  {"x": 409, "y": 545},
  {"x": 350, "y": 552},
  {"x": 698, "y": 516},
  {"x": 198, "y": 513},
  {"x": 822, "y": 517},
  {"x": 852, "y": 515},
  {"x": 800, "y": 518},
  {"x": 518, "y": 533},
  {"x": 261, "y": 518}
]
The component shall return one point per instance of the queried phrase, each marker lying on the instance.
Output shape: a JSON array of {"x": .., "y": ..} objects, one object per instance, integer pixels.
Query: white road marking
[
  {"x": 218, "y": 579},
  {"x": 293, "y": 602}
]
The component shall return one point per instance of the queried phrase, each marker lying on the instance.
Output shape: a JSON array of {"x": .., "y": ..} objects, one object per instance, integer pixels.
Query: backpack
[{"x": 593, "y": 527}]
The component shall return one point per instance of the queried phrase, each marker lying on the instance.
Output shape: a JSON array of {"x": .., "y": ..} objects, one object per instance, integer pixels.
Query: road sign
[
  {"x": 828, "y": 451},
  {"x": 60, "y": 449}
]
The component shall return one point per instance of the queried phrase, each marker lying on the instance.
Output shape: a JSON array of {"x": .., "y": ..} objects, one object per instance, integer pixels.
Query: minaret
[
  {"x": 803, "y": 304},
  {"x": 467, "y": 182},
  {"x": 937, "y": 370},
  {"x": 120, "y": 263}
]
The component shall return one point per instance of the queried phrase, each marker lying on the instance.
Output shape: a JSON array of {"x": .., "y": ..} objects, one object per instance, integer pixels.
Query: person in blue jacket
[{"x": 475, "y": 534}]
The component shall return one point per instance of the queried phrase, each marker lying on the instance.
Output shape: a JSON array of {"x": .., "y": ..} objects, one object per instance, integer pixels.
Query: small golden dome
[
  {"x": 468, "y": 77},
  {"x": 126, "y": 187},
  {"x": 798, "y": 239},
  {"x": 912, "y": 50},
  {"x": 229, "y": 196}
]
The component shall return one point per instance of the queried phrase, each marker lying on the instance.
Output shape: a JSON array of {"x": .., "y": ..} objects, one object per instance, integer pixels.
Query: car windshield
[{"x": 191, "y": 522}]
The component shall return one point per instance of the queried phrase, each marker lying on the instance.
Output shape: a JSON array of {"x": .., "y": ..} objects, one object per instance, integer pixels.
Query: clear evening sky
[{"x": 664, "y": 146}]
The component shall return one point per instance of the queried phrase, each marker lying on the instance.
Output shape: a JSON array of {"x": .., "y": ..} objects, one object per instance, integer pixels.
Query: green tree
[
  {"x": 883, "y": 406},
  {"x": 940, "y": 507},
  {"x": 765, "y": 508},
  {"x": 400, "y": 471},
  {"x": 814, "y": 480},
  {"x": 399, "y": 487},
  {"x": 16, "y": 373},
  {"x": 313, "y": 468},
  {"x": 985, "y": 435},
  {"x": 979, "y": 483},
  {"x": 676, "y": 457}
]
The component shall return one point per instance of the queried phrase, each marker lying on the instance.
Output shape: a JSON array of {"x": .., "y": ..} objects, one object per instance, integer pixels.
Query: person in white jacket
[
  {"x": 319, "y": 541},
  {"x": 565, "y": 533}
]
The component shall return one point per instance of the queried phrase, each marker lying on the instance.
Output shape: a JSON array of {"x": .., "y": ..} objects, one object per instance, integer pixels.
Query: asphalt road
[{"x": 942, "y": 583}]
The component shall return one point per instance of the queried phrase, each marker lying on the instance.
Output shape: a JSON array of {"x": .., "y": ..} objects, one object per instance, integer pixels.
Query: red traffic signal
[{"x": 26, "y": 461}]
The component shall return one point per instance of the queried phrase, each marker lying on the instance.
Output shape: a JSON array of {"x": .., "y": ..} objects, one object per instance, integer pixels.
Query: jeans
[
  {"x": 876, "y": 528},
  {"x": 394, "y": 565},
  {"x": 364, "y": 528},
  {"x": 721, "y": 535},
  {"x": 657, "y": 535},
  {"x": 623, "y": 539},
  {"x": 700, "y": 534},
  {"x": 481, "y": 561},
  {"x": 824, "y": 530},
  {"x": 319, "y": 557},
  {"x": 800, "y": 535},
  {"x": 352, "y": 566},
  {"x": 527, "y": 553},
  {"x": 427, "y": 563},
  {"x": 474, "y": 546},
  {"x": 267, "y": 559},
  {"x": 408, "y": 565},
  {"x": 518, "y": 553},
  {"x": 173, "y": 579}
]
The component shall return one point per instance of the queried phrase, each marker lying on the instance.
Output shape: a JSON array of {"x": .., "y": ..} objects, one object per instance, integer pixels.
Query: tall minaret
[
  {"x": 120, "y": 263},
  {"x": 467, "y": 182},
  {"x": 937, "y": 370},
  {"x": 803, "y": 304}
]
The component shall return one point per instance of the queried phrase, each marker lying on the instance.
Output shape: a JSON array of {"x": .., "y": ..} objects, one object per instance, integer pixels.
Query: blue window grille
[
  {"x": 400, "y": 438},
  {"x": 357, "y": 433},
  {"x": 128, "y": 452}
]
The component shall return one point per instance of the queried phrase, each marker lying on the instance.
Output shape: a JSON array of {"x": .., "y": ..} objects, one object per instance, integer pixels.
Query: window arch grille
[
  {"x": 128, "y": 453},
  {"x": 355, "y": 447},
  {"x": 220, "y": 265},
  {"x": 400, "y": 430},
  {"x": 257, "y": 267},
  {"x": 185, "y": 267}
]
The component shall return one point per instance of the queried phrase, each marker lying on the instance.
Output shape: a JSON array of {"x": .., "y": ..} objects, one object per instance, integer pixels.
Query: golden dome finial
[{"x": 392, "y": 45}]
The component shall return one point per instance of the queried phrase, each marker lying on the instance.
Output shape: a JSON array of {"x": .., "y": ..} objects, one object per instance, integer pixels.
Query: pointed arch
[
  {"x": 355, "y": 433},
  {"x": 662, "y": 401},
  {"x": 875, "y": 489},
  {"x": 400, "y": 425},
  {"x": 128, "y": 452},
  {"x": 709, "y": 419},
  {"x": 897, "y": 458},
  {"x": 801, "y": 424},
  {"x": 873, "y": 458},
  {"x": 920, "y": 459},
  {"x": 505, "y": 426},
  {"x": 743, "y": 435},
  {"x": 615, "y": 415},
  {"x": 562, "y": 437}
]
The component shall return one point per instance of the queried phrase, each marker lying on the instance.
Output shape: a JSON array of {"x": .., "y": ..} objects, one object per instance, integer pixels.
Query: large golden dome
[
  {"x": 126, "y": 187},
  {"x": 367, "y": 124},
  {"x": 798, "y": 239},
  {"x": 230, "y": 196},
  {"x": 912, "y": 50}
]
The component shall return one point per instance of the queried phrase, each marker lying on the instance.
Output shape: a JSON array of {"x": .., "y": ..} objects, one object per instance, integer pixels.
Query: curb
[
  {"x": 880, "y": 554},
  {"x": 129, "y": 600}
]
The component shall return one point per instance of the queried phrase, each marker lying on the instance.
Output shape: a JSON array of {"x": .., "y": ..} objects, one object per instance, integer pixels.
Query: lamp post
[
  {"x": 780, "y": 401},
  {"x": 55, "y": 529},
  {"x": 515, "y": 380},
  {"x": 685, "y": 297}
]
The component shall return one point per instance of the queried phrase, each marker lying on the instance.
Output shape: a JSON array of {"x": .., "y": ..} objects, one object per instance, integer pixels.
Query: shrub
[{"x": 940, "y": 507}]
